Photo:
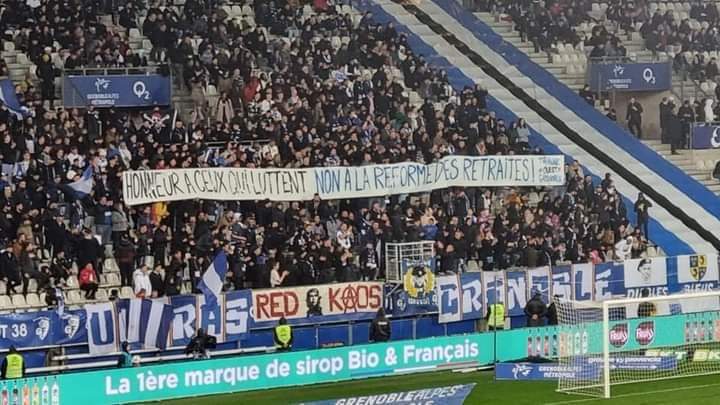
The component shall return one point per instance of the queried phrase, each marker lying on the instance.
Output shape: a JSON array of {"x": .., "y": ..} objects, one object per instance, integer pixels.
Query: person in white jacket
[
  {"x": 141, "y": 282},
  {"x": 623, "y": 249}
]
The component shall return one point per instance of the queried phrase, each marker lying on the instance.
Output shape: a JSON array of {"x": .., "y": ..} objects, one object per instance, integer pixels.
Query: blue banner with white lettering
[
  {"x": 545, "y": 371},
  {"x": 516, "y": 293},
  {"x": 117, "y": 91},
  {"x": 460, "y": 297},
  {"x": 42, "y": 328},
  {"x": 451, "y": 395},
  {"x": 629, "y": 76},
  {"x": 705, "y": 136}
]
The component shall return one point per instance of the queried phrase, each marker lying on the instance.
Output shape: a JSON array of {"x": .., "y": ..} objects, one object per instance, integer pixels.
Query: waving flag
[
  {"x": 212, "y": 281},
  {"x": 84, "y": 185},
  {"x": 9, "y": 98},
  {"x": 145, "y": 322}
]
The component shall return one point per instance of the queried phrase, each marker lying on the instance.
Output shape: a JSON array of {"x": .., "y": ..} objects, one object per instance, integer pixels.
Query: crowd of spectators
[{"x": 287, "y": 100}]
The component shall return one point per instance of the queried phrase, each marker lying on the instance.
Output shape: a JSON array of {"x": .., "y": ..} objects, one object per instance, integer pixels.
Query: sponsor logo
[
  {"x": 705, "y": 355},
  {"x": 521, "y": 370},
  {"x": 43, "y": 327},
  {"x": 645, "y": 333},
  {"x": 101, "y": 84},
  {"x": 619, "y": 335},
  {"x": 618, "y": 70}
]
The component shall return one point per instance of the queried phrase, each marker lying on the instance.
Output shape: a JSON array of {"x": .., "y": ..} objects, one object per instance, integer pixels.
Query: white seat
[
  {"x": 126, "y": 292},
  {"x": 227, "y": 9},
  {"x": 134, "y": 33},
  {"x": 247, "y": 10},
  {"x": 75, "y": 297},
  {"x": 211, "y": 90},
  {"x": 700, "y": 164},
  {"x": 33, "y": 300},
  {"x": 570, "y": 69},
  {"x": 5, "y": 302},
  {"x": 236, "y": 10},
  {"x": 32, "y": 285},
  {"x": 712, "y": 86},
  {"x": 113, "y": 280},
  {"x": 18, "y": 301},
  {"x": 101, "y": 295},
  {"x": 704, "y": 87},
  {"x": 72, "y": 283},
  {"x": 22, "y": 59},
  {"x": 710, "y": 164},
  {"x": 9, "y": 46}
]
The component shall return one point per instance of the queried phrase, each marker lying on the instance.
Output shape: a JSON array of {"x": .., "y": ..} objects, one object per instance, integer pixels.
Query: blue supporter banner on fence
[
  {"x": 705, "y": 136},
  {"x": 629, "y": 76},
  {"x": 117, "y": 91},
  {"x": 455, "y": 298}
]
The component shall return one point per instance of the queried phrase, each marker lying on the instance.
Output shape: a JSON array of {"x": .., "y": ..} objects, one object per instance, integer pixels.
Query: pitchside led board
[
  {"x": 107, "y": 91},
  {"x": 629, "y": 76},
  {"x": 273, "y": 370}
]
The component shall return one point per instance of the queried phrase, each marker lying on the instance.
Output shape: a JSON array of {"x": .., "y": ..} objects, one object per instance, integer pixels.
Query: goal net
[{"x": 637, "y": 340}]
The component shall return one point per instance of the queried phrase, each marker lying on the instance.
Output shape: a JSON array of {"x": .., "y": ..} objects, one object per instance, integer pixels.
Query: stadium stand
[{"x": 640, "y": 31}]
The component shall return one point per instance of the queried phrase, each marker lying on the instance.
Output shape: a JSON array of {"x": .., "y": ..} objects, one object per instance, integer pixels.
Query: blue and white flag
[
  {"x": 84, "y": 185},
  {"x": 212, "y": 281},
  {"x": 155, "y": 320},
  {"x": 100, "y": 324},
  {"x": 9, "y": 98},
  {"x": 144, "y": 323}
]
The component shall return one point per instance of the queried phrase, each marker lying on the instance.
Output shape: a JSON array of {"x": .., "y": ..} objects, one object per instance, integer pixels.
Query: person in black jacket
[
  {"x": 535, "y": 310},
  {"x": 89, "y": 251},
  {"x": 10, "y": 269},
  {"x": 199, "y": 345},
  {"x": 551, "y": 314},
  {"x": 380, "y": 327},
  {"x": 634, "y": 117}
]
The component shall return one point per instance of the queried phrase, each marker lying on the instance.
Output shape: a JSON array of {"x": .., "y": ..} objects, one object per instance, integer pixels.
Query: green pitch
[{"x": 691, "y": 391}]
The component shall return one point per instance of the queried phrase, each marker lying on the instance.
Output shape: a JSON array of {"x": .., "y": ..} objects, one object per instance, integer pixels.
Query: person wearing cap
[
  {"x": 535, "y": 309},
  {"x": 13, "y": 366}
]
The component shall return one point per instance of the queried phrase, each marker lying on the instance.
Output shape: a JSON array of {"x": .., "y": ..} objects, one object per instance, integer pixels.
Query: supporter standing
[
  {"x": 142, "y": 284},
  {"x": 642, "y": 211},
  {"x": 125, "y": 252},
  {"x": 535, "y": 310},
  {"x": 634, "y": 117}
]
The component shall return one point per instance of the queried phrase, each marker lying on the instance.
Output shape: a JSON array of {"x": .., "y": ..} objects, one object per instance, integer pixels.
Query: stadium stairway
[
  {"x": 570, "y": 69},
  {"x": 447, "y": 43}
]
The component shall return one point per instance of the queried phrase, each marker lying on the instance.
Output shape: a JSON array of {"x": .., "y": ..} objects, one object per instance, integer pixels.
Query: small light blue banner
[{"x": 450, "y": 395}]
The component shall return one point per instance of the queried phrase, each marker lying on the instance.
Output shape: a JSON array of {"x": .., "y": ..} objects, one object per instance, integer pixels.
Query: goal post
[{"x": 636, "y": 340}]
